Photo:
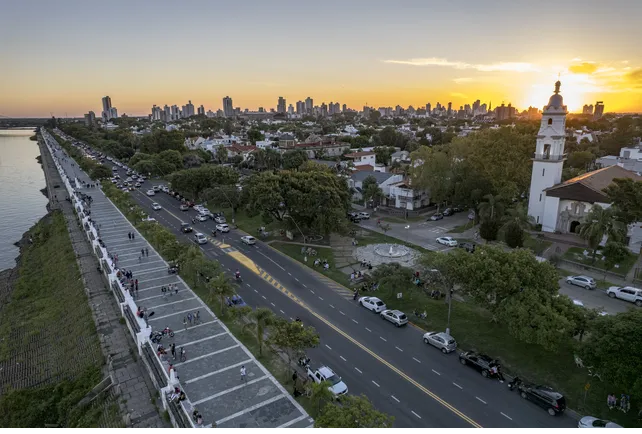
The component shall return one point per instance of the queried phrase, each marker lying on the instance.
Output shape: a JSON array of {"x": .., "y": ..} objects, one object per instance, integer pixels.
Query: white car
[
  {"x": 364, "y": 215},
  {"x": 373, "y": 304},
  {"x": 202, "y": 217},
  {"x": 594, "y": 422},
  {"x": 223, "y": 228},
  {"x": 324, "y": 373},
  {"x": 156, "y": 206},
  {"x": 628, "y": 293},
  {"x": 220, "y": 219},
  {"x": 149, "y": 219},
  {"x": 151, "y": 193},
  {"x": 396, "y": 317},
  {"x": 249, "y": 240},
  {"x": 200, "y": 238},
  {"x": 156, "y": 188},
  {"x": 447, "y": 241}
]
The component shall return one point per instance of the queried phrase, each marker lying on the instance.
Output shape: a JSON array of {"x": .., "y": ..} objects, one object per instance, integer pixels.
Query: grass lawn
[
  {"x": 461, "y": 228},
  {"x": 537, "y": 245},
  {"x": 575, "y": 254},
  {"x": 294, "y": 251}
]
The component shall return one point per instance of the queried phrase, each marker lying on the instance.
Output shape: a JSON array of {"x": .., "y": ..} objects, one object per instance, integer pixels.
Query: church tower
[{"x": 548, "y": 160}]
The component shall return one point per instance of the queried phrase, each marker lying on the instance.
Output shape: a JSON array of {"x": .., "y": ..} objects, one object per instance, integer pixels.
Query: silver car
[
  {"x": 583, "y": 281},
  {"x": 396, "y": 317},
  {"x": 441, "y": 340}
]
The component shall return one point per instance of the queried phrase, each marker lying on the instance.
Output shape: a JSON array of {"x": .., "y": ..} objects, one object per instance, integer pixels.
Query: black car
[
  {"x": 448, "y": 212},
  {"x": 457, "y": 209},
  {"x": 547, "y": 398},
  {"x": 469, "y": 247},
  {"x": 480, "y": 362},
  {"x": 186, "y": 228}
]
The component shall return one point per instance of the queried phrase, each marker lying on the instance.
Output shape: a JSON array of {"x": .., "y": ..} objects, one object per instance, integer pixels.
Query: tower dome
[{"x": 556, "y": 101}]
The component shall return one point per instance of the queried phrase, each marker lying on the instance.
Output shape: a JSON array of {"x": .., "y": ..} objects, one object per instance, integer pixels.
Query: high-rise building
[
  {"x": 366, "y": 111},
  {"x": 587, "y": 109},
  {"x": 188, "y": 109},
  {"x": 300, "y": 107},
  {"x": 156, "y": 113},
  {"x": 504, "y": 112},
  {"x": 428, "y": 109},
  {"x": 113, "y": 113},
  {"x": 90, "y": 119},
  {"x": 476, "y": 106},
  {"x": 201, "y": 110},
  {"x": 168, "y": 113},
  {"x": 337, "y": 108},
  {"x": 309, "y": 105},
  {"x": 175, "y": 113},
  {"x": 450, "y": 109},
  {"x": 345, "y": 108},
  {"x": 228, "y": 108},
  {"x": 280, "y": 106},
  {"x": 106, "y": 103},
  {"x": 323, "y": 110},
  {"x": 108, "y": 110},
  {"x": 290, "y": 109},
  {"x": 599, "y": 110}
]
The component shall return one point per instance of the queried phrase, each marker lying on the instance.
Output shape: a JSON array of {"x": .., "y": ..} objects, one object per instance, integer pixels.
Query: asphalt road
[
  {"x": 595, "y": 299},
  {"x": 370, "y": 354}
]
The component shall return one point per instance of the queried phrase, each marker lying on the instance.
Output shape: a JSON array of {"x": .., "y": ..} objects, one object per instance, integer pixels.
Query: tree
[
  {"x": 162, "y": 140},
  {"x": 613, "y": 350},
  {"x": 192, "y": 160},
  {"x": 431, "y": 170},
  {"x": 292, "y": 160},
  {"x": 580, "y": 159},
  {"x": 371, "y": 190},
  {"x": 383, "y": 153},
  {"x": 352, "y": 412},
  {"x": 227, "y": 194},
  {"x": 320, "y": 394},
  {"x": 614, "y": 253},
  {"x": 254, "y": 135},
  {"x": 492, "y": 209},
  {"x": 488, "y": 230},
  {"x": 601, "y": 222},
  {"x": 220, "y": 287},
  {"x": 261, "y": 319},
  {"x": 514, "y": 236},
  {"x": 626, "y": 198},
  {"x": 101, "y": 171},
  {"x": 293, "y": 338},
  {"x": 221, "y": 154},
  {"x": 195, "y": 181},
  {"x": 516, "y": 221}
]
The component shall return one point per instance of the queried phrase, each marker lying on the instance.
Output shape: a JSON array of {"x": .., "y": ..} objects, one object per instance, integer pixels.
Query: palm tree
[
  {"x": 260, "y": 318},
  {"x": 320, "y": 393},
  {"x": 601, "y": 222},
  {"x": 492, "y": 209},
  {"x": 517, "y": 217},
  {"x": 220, "y": 287}
]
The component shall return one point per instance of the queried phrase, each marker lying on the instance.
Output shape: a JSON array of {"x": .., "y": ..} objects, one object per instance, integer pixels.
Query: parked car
[
  {"x": 157, "y": 188},
  {"x": 156, "y": 206},
  {"x": 373, "y": 304},
  {"x": 184, "y": 207},
  {"x": 547, "y": 398},
  {"x": 628, "y": 293},
  {"x": 223, "y": 227},
  {"x": 200, "y": 238},
  {"x": 469, "y": 247},
  {"x": 235, "y": 301},
  {"x": 447, "y": 241},
  {"x": 324, "y": 373},
  {"x": 150, "y": 193},
  {"x": 437, "y": 216},
  {"x": 594, "y": 422},
  {"x": 441, "y": 340},
  {"x": 583, "y": 281},
  {"x": 249, "y": 240},
  {"x": 186, "y": 228},
  {"x": 202, "y": 218},
  {"x": 448, "y": 212},
  {"x": 396, "y": 317},
  {"x": 220, "y": 219},
  {"x": 364, "y": 215},
  {"x": 354, "y": 217},
  {"x": 480, "y": 362}
]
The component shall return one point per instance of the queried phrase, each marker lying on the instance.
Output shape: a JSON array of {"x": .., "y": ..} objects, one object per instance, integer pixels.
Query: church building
[{"x": 562, "y": 206}]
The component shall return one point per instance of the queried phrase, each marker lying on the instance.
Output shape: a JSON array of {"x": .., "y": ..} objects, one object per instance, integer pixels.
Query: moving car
[
  {"x": 396, "y": 317},
  {"x": 249, "y": 240},
  {"x": 447, "y": 241},
  {"x": 156, "y": 188},
  {"x": 200, "y": 238},
  {"x": 223, "y": 228},
  {"x": 437, "y": 216},
  {"x": 479, "y": 362},
  {"x": 594, "y": 422},
  {"x": 156, "y": 206},
  {"x": 186, "y": 228},
  {"x": 202, "y": 218},
  {"x": 220, "y": 219},
  {"x": 151, "y": 193},
  {"x": 373, "y": 304},
  {"x": 184, "y": 207},
  {"x": 583, "y": 281},
  {"x": 441, "y": 340},
  {"x": 364, "y": 215},
  {"x": 628, "y": 293},
  {"x": 547, "y": 398},
  {"x": 337, "y": 387}
]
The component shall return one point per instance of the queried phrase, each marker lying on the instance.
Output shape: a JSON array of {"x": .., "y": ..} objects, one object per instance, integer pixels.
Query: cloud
[
  {"x": 461, "y": 80},
  {"x": 584, "y": 68},
  {"x": 459, "y": 95},
  {"x": 492, "y": 67},
  {"x": 635, "y": 77}
]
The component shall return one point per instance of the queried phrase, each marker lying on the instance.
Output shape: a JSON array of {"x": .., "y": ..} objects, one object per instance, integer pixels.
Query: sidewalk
[{"x": 129, "y": 374}]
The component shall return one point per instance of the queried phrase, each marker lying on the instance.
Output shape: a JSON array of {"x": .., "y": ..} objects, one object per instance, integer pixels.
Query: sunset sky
[{"x": 64, "y": 56}]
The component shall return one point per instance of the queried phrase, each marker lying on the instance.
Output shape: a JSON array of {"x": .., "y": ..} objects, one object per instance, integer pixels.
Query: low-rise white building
[
  {"x": 362, "y": 158},
  {"x": 403, "y": 196}
]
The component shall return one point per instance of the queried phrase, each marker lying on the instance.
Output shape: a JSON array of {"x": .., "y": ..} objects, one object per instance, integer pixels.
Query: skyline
[{"x": 375, "y": 53}]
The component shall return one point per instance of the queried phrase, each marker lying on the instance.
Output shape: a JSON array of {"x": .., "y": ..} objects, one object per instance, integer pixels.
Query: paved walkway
[
  {"x": 130, "y": 375},
  {"x": 210, "y": 377}
]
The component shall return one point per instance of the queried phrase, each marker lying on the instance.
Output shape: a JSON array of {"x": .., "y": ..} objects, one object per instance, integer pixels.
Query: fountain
[{"x": 391, "y": 250}]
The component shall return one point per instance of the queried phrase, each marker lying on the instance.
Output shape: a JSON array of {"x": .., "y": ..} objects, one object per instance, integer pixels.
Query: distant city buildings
[
  {"x": 228, "y": 108},
  {"x": 109, "y": 112},
  {"x": 309, "y": 105},
  {"x": 280, "y": 106},
  {"x": 599, "y": 110},
  {"x": 90, "y": 119},
  {"x": 587, "y": 109}
]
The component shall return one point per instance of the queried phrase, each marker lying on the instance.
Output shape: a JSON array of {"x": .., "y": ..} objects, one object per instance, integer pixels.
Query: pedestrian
[
  {"x": 185, "y": 322},
  {"x": 136, "y": 283},
  {"x": 175, "y": 289},
  {"x": 129, "y": 235},
  {"x": 294, "y": 377},
  {"x": 611, "y": 401},
  {"x": 172, "y": 348},
  {"x": 133, "y": 236},
  {"x": 189, "y": 318},
  {"x": 164, "y": 292},
  {"x": 142, "y": 252},
  {"x": 146, "y": 252},
  {"x": 243, "y": 372},
  {"x": 198, "y": 317}
]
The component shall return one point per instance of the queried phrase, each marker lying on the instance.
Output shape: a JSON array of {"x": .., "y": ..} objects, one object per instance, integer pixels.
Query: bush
[
  {"x": 488, "y": 230},
  {"x": 514, "y": 236}
]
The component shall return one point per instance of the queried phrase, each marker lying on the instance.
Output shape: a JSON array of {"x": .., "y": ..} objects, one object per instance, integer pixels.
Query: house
[
  {"x": 403, "y": 196},
  {"x": 400, "y": 156},
  {"x": 286, "y": 141},
  {"x": 322, "y": 148},
  {"x": 362, "y": 158},
  {"x": 630, "y": 158},
  {"x": 243, "y": 151},
  {"x": 384, "y": 181}
]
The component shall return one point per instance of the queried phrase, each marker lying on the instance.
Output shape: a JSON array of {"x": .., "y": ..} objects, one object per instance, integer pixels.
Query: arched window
[{"x": 550, "y": 121}]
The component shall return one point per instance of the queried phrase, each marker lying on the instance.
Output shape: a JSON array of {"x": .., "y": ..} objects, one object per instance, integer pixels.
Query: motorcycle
[
  {"x": 168, "y": 331},
  {"x": 303, "y": 361},
  {"x": 156, "y": 337},
  {"x": 420, "y": 315},
  {"x": 512, "y": 385}
]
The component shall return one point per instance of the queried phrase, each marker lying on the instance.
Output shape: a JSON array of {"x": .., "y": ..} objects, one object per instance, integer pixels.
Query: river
[{"x": 21, "y": 179}]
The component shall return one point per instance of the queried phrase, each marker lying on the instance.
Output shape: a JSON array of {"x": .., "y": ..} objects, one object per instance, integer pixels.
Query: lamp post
[{"x": 449, "y": 294}]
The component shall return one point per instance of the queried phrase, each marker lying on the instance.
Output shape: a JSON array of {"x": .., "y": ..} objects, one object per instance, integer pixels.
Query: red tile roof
[{"x": 359, "y": 154}]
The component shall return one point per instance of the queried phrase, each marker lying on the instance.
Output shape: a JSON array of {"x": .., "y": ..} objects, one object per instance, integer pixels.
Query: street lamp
[{"x": 449, "y": 294}]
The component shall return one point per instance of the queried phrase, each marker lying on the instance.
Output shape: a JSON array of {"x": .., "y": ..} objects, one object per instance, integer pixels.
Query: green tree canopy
[
  {"x": 254, "y": 135},
  {"x": 195, "y": 181},
  {"x": 162, "y": 140},
  {"x": 383, "y": 153},
  {"x": 371, "y": 190},
  {"x": 292, "y": 160},
  {"x": 100, "y": 171},
  {"x": 293, "y": 338},
  {"x": 601, "y": 222},
  {"x": 352, "y": 412},
  {"x": 626, "y": 197}
]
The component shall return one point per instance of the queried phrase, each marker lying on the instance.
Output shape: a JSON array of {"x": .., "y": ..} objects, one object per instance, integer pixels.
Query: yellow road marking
[{"x": 240, "y": 257}]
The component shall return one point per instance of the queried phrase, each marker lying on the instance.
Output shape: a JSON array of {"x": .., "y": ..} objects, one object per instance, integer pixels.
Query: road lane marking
[
  {"x": 328, "y": 346},
  {"x": 358, "y": 370},
  {"x": 375, "y": 383},
  {"x": 399, "y": 349},
  {"x": 418, "y": 361},
  {"x": 393, "y": 397},
  {"x": 383, "y": 339},
  {"x": 273, "y": 304},
  {"x": 457, "y": 385},
  {"x": 332, "y": 306},
  {"x": 256, "y": 291},
  {"x": 354, "y": 321},
  {"x": 341, "y": 357},
  {"x": 415, "y": 414},
  {"x": 282, "y": 312},
  {"x": 506, "y": 416},
  {"x": 296, "y": 279},
  {"x": 368, "y": 329},
  {"x": 436, "y": 372},
  {"x": 480, "y": 400},
  {"x": 264, "y": 297},
  {"x": 312, "y": 291},
  {"x": 342, "y": 313},
  {"x": 289, "y": 274},
  {"x": 304, "y": 285},
  {"x": 320, "y": 298}
]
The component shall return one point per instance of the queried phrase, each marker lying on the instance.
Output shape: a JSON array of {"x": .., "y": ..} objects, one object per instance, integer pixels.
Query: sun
[{"x": 571, "y": 90}]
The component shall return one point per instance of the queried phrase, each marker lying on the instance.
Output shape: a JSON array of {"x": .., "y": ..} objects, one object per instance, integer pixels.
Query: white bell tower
[{"x": 549, "y": 157}]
